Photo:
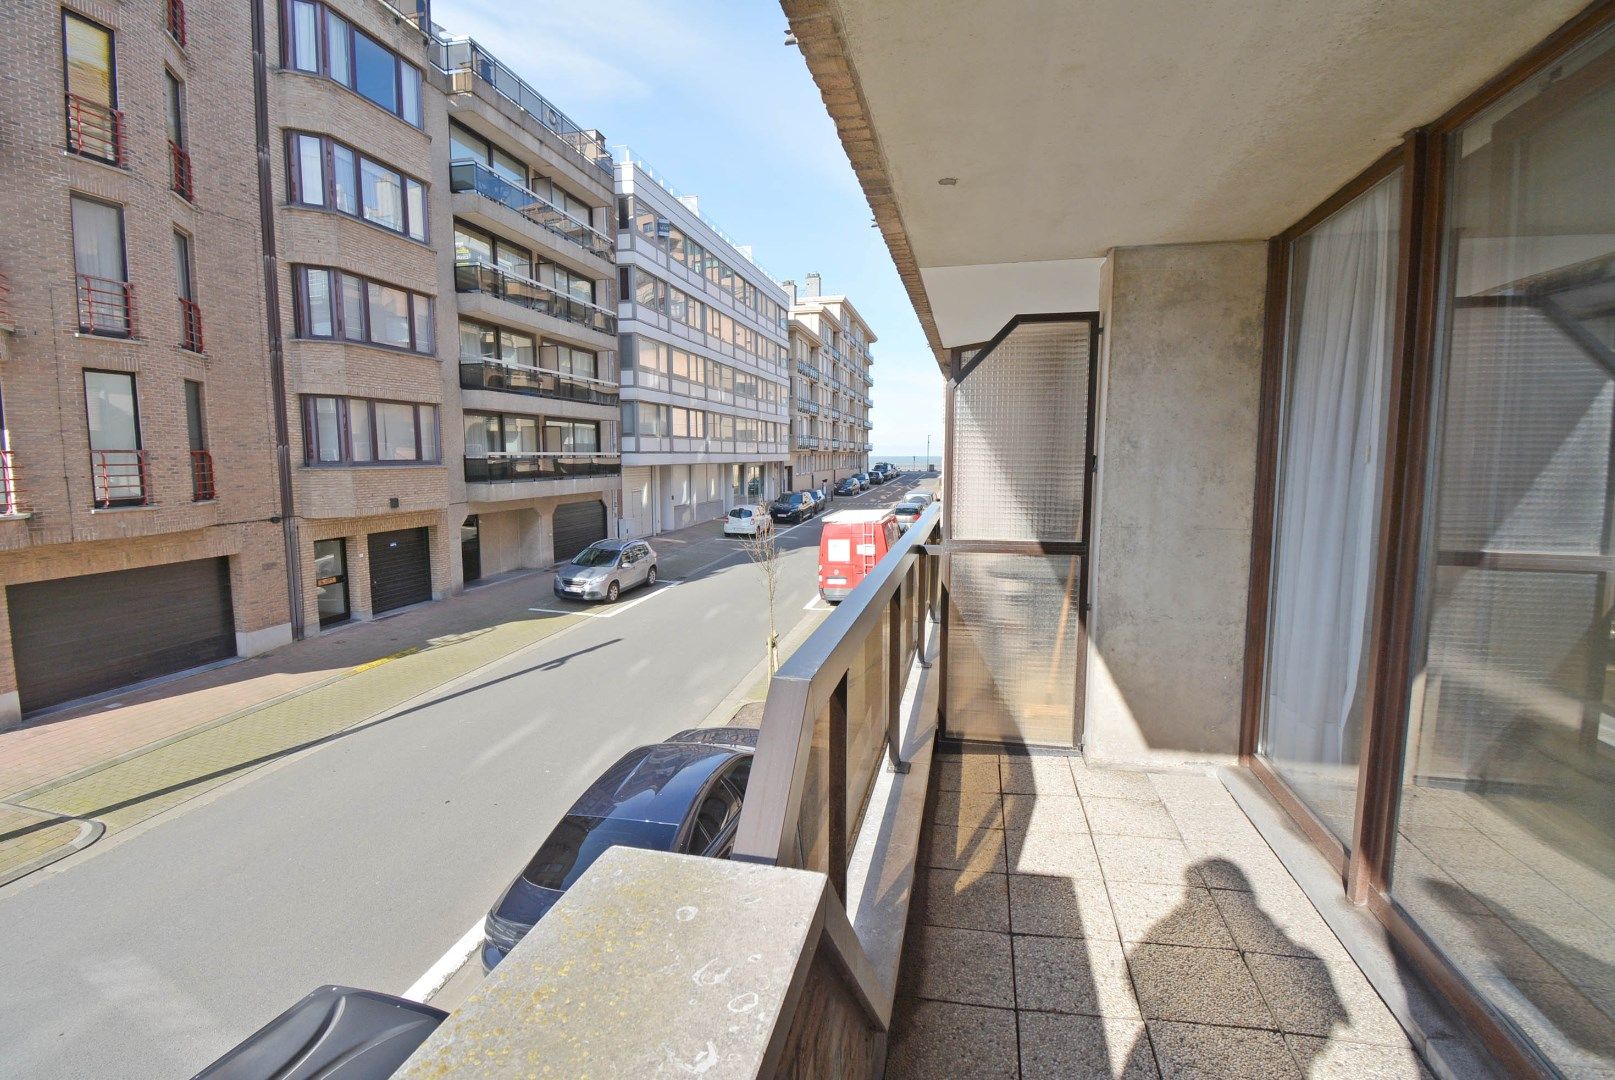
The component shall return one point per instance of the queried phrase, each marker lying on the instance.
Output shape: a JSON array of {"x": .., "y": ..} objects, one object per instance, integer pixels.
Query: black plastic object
[{"x": 335, "y": 1033}]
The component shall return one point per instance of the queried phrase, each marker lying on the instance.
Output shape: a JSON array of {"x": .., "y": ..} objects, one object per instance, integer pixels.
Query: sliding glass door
[
  {"x": 1331, "y": 458},
  {"x": 1505, "y": 841}
]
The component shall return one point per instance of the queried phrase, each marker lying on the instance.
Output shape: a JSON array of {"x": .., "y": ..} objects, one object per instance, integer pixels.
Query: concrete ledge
[
  {"x": 652, "y": 964},
  {"x": 258, "y": 642},
  {"x": 1450, "y": 1050}
]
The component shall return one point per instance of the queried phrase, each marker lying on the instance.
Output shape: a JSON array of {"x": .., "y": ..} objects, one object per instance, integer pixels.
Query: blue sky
[{"x": 708, "y": 94}]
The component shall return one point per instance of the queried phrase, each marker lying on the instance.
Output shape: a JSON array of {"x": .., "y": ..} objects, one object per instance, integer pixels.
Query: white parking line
[
  {"x": 611, "y": 611},
  {"x": 816, "y": 603},
  {"x": 447, "y": 964}
]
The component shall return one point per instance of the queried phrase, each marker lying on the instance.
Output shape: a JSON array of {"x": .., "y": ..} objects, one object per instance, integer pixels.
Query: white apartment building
[
  {"x": 703, "y": 348},
  {"x": 830, "y": 387}
]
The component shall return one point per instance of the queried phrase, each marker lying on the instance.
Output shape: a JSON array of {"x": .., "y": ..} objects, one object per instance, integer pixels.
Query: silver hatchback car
[{"x": 606, "y": 569}]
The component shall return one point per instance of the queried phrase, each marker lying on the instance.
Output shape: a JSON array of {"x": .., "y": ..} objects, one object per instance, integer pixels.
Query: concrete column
[{"x": 1180, "y": 380}]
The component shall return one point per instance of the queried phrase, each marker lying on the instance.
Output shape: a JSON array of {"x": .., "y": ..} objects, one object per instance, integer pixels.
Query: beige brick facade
[
  {"x": 43, "y": 355},
  {"x": 42, "y": 360}
]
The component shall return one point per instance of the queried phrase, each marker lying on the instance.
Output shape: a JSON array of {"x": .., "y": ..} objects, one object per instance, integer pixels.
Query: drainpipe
[{"x": 277, "y": 352}]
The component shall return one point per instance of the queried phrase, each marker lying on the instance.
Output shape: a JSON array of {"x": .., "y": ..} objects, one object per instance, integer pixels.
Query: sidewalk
[{"x": 123, "y": 760}]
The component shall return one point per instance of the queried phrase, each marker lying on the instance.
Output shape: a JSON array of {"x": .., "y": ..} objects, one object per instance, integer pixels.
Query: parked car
[
  {"x": 335, "y": 1033},
  {"x": 821, "y": 498},
  {"x": 850, "y": 544},
  {"x": 681, "y": 795},
  {"x": 606, "y": 569},
  {"x": 792, "y": 507},
  {"x": 747, "y": 521},
  {"x": 849, "y": 485},
  {"x": 885, "y": 470},
  {"x": 921, "y": 496},
  {"x": 864, "y": 482},
  {"x": 907, "y": 512}
]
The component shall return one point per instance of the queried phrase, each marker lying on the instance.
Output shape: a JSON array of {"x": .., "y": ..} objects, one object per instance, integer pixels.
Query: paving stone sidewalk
[{"x": 123, "y": 760}]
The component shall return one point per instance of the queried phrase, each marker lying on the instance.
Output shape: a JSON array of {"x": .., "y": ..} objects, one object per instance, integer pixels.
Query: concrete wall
[{"x": 1181, "y": 368}]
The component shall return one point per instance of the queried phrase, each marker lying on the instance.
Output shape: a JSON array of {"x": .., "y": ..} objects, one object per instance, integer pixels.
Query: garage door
[
  {"x": 400, "y": 569},
  {"x": 577, "y": 525},
  {"x": 77, "y": 636}
]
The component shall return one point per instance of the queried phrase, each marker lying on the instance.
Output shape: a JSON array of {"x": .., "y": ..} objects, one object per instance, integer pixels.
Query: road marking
[
  {"x": 450, "y": 962},
  {"x": 816, "y": 603},
  {"x": 611, "y": 611}
]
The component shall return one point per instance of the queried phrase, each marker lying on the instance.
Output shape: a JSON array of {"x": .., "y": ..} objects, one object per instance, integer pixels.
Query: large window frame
[
  {"x": 307, "y": 152},
  {"x": 316, "y": 40},
  {"x": 356, "y": 425},
  {"x": 334, "y": 314},
  {"x": 1424, "y": 157}
]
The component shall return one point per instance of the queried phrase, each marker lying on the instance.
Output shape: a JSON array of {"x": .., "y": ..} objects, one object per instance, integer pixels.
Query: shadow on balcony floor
[{"x": 1077, "y": 921}]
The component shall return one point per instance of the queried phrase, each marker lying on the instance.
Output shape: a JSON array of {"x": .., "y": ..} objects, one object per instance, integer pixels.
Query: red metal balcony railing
[
  {"x": 94, "y": 130},
  {"x": 179, "y": 160},
  {"x": 176, "y": 21},
  {"x": 190, "y": 323},
  {"x": 119, "y": 477},
  {"x": 106, "y": 306},
  {"x": 203, "y": 488},
  {"x": 10, "y": 490}
]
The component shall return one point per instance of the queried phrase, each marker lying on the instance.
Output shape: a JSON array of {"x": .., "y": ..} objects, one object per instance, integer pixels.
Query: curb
[{"x": 89, "y": 832}]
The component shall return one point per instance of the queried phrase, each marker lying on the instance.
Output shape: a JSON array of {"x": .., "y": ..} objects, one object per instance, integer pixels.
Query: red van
[{"x": 852, "y": 542}]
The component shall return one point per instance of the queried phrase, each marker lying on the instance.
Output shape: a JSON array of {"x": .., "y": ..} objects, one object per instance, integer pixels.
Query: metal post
[
  {"x": 836, "y": 812},
  {"x": 942, "y": 658},
  {"x": 922, "y": 605},
  {"x": 894, "y": 682}
]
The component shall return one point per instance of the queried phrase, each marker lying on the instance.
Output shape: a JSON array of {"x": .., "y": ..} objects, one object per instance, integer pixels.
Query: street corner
[{"x": 32, "y": 839}]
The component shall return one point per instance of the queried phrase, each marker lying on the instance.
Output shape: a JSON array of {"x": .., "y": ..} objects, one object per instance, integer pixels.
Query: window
[
  {"x": 190, "y": 313},
  {"x": 106, "y": 302},
  {"x": 567, "y": 282},
  {"x": 117, "y": 465},
  {"x": 331, "y": 580},
  {"x": 336, "y": 304},
  {"x": 475, "y": 246},
  {"x": 203, "y": 487},
  {"x": 94, "y": 125},
  {"x": 175, "y": 97},
  {"x": 352, "y": 58},
  {"x": 354, "y": 184},
  {"x": 359, "y": 431}
]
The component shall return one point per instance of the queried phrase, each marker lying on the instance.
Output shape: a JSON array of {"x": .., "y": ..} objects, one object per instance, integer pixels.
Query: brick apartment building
[
  {"x": 185, "y": 479},
  {"x": 139, "y": 434},
  {"x": 830, "y": 383}
]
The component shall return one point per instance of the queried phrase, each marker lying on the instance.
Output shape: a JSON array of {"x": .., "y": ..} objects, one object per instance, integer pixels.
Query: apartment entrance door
[{"x": 1020, "y": 450}]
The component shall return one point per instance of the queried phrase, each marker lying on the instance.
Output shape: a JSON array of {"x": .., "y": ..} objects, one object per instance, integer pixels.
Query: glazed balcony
[
  {"x": 481, "y": 277},
  {"x": 484, "y": 373},
  {"x": 521, "y": 468},
  {"x": 472, "y": 176}
]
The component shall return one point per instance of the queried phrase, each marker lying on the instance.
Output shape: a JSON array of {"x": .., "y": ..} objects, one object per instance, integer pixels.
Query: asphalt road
[{"x": 361, "y": 862}]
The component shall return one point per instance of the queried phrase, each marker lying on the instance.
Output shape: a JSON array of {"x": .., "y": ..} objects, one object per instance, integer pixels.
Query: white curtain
[{"x": 1331, "y": 456}]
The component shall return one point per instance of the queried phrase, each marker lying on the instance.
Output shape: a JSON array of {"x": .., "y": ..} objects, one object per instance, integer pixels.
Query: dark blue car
[{"x": 680, "y": 795}]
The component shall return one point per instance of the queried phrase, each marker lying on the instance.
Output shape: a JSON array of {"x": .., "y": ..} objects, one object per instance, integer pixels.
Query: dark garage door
[
  {"x": 400, "y": 569},
  {"x": 577, "y": 525},
  {"x": 76, "y": 636}
]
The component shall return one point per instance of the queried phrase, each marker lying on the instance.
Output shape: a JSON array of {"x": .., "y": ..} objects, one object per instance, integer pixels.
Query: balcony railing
[
  {"x": 179, "y": 161},
  {"x": 106, "y": 306},
  {"x": 119, "y": 478},
  {"x": 474, "y": 176},
  {"x": 94, "y": 130},
  {"x": 804, "y": 442},
  {"x": 833, "y": 719},
  {"x": 203, "y": 488},
  {"x": 463, "y": 56},
  {"x": 176, "y": 21},
  {"x": 483, "y": 277},
  {"x": 498, "y": 468},
  {"x": 808, "y": 369},
  {"x": 190, "y": 325},
  {"x": 484, "y": 373},
  {"x": 808, "y": 406},
  {"x": 11, "y": 504}
]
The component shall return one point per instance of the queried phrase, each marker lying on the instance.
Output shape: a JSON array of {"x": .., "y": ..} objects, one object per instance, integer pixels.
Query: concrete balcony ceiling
[{"x": 1057, "y": 132}]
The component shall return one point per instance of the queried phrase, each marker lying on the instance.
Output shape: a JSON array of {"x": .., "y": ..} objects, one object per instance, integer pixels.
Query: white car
[
  {"x": 748, "y": 521},
  {"x": 920, "y": 495}
]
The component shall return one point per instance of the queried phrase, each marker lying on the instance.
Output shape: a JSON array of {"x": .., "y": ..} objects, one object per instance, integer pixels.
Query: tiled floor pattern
[
  {"x": 1081, "y": 922},
  {"x": 1520, "y": 892}
]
